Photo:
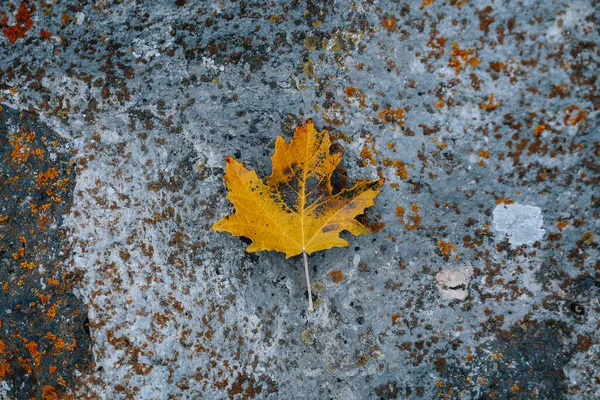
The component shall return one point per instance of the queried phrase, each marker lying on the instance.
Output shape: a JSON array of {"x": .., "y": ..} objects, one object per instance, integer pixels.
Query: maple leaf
[{"x": 295, "y": 211}]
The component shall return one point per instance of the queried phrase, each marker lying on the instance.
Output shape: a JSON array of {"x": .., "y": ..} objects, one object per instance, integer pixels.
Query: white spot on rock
[
  {"x": 453, "y": 283},
  {"x": 522, "y": 223}
]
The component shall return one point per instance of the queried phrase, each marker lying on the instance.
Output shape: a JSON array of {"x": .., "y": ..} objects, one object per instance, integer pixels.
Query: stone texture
[{"x": 461, "y": 106}]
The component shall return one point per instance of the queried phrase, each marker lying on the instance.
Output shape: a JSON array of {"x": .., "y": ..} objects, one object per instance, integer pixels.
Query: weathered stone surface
[
  {"x": 44, "y": 333},
  {"x": 463, "y": 107}
]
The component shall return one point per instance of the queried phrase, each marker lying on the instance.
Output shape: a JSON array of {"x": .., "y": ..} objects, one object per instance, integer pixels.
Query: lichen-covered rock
[{"x": 464, "y": 107}]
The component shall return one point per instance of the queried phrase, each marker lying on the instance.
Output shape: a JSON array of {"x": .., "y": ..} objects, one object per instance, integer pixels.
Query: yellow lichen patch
[
  {"x": 446, "y": 247},
  {"x": 587, "y": 237},
  {"x": 312, "y": 43},
  {"x": 490, "y": 105},
  {"x": 392, "y": 116}
]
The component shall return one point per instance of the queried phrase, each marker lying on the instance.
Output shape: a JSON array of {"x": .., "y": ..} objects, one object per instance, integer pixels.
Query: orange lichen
[
  {"x": 28, "y": 265},
  {"x": 538, "y": 129},
  {"x": 49, "y": 393},
  {"x": 395, "y": 318},
  {"x": 440, "y": 104},
  {"x": 400, "y": 212},
  {"x": 336, "y": 276},
  {"x": 52, "y": 311},
  {"x": 491, "y": 105},
  {"x": 398, "y": 165},
  {"x": 392, "y": 116},
  {"x": 52, "y": 281},
  {"x": 446, "y": 247},
  {"x": 504, "y": 200},
  {"x": 4, "y": 368},
  {"x": 562, "y": 224},
  {"x": 414, "y": 219},
  {"x": 570, "y": 121},
  {"x": 460, "y": 58},
  {"x": 484, "y": 154},
  {"x": 45, "y": 35},
  {"x": 71, "y": 347},
  {"x": 59, "y": 344},
  {"x": 44, "y": 177},
  {"x": 426, "y": 3},
  {"x": 389, "y": 24},
  {"x": 33, "y": 348},
  {"x": 458, "y": 3},
  {"x": 20, "y": 150},
  {"x": 401, "y": 169},
  {"x": 23, "y": 23}
]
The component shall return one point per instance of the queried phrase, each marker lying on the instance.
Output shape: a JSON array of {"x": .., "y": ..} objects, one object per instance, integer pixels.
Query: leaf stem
[{"x": 310, "y": 303}]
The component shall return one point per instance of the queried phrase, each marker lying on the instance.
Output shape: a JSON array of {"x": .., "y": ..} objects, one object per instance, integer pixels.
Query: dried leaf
[{"x": 295, "y": 210}]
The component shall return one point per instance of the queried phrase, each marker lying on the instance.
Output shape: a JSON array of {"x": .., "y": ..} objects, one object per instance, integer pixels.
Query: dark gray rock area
[{"x": 481, "y": 278}]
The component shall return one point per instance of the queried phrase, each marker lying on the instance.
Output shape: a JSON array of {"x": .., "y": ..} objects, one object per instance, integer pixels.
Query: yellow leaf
[{"x": 295, "y": 210}]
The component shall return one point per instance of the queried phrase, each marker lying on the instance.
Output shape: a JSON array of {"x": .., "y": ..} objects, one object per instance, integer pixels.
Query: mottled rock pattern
[
  {"x": 44, "y": 333},
  {"x": 462, "y": 106}
]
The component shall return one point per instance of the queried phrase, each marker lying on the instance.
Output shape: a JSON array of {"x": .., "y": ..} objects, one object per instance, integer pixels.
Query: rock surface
[{"x": 467, "y": 109}]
